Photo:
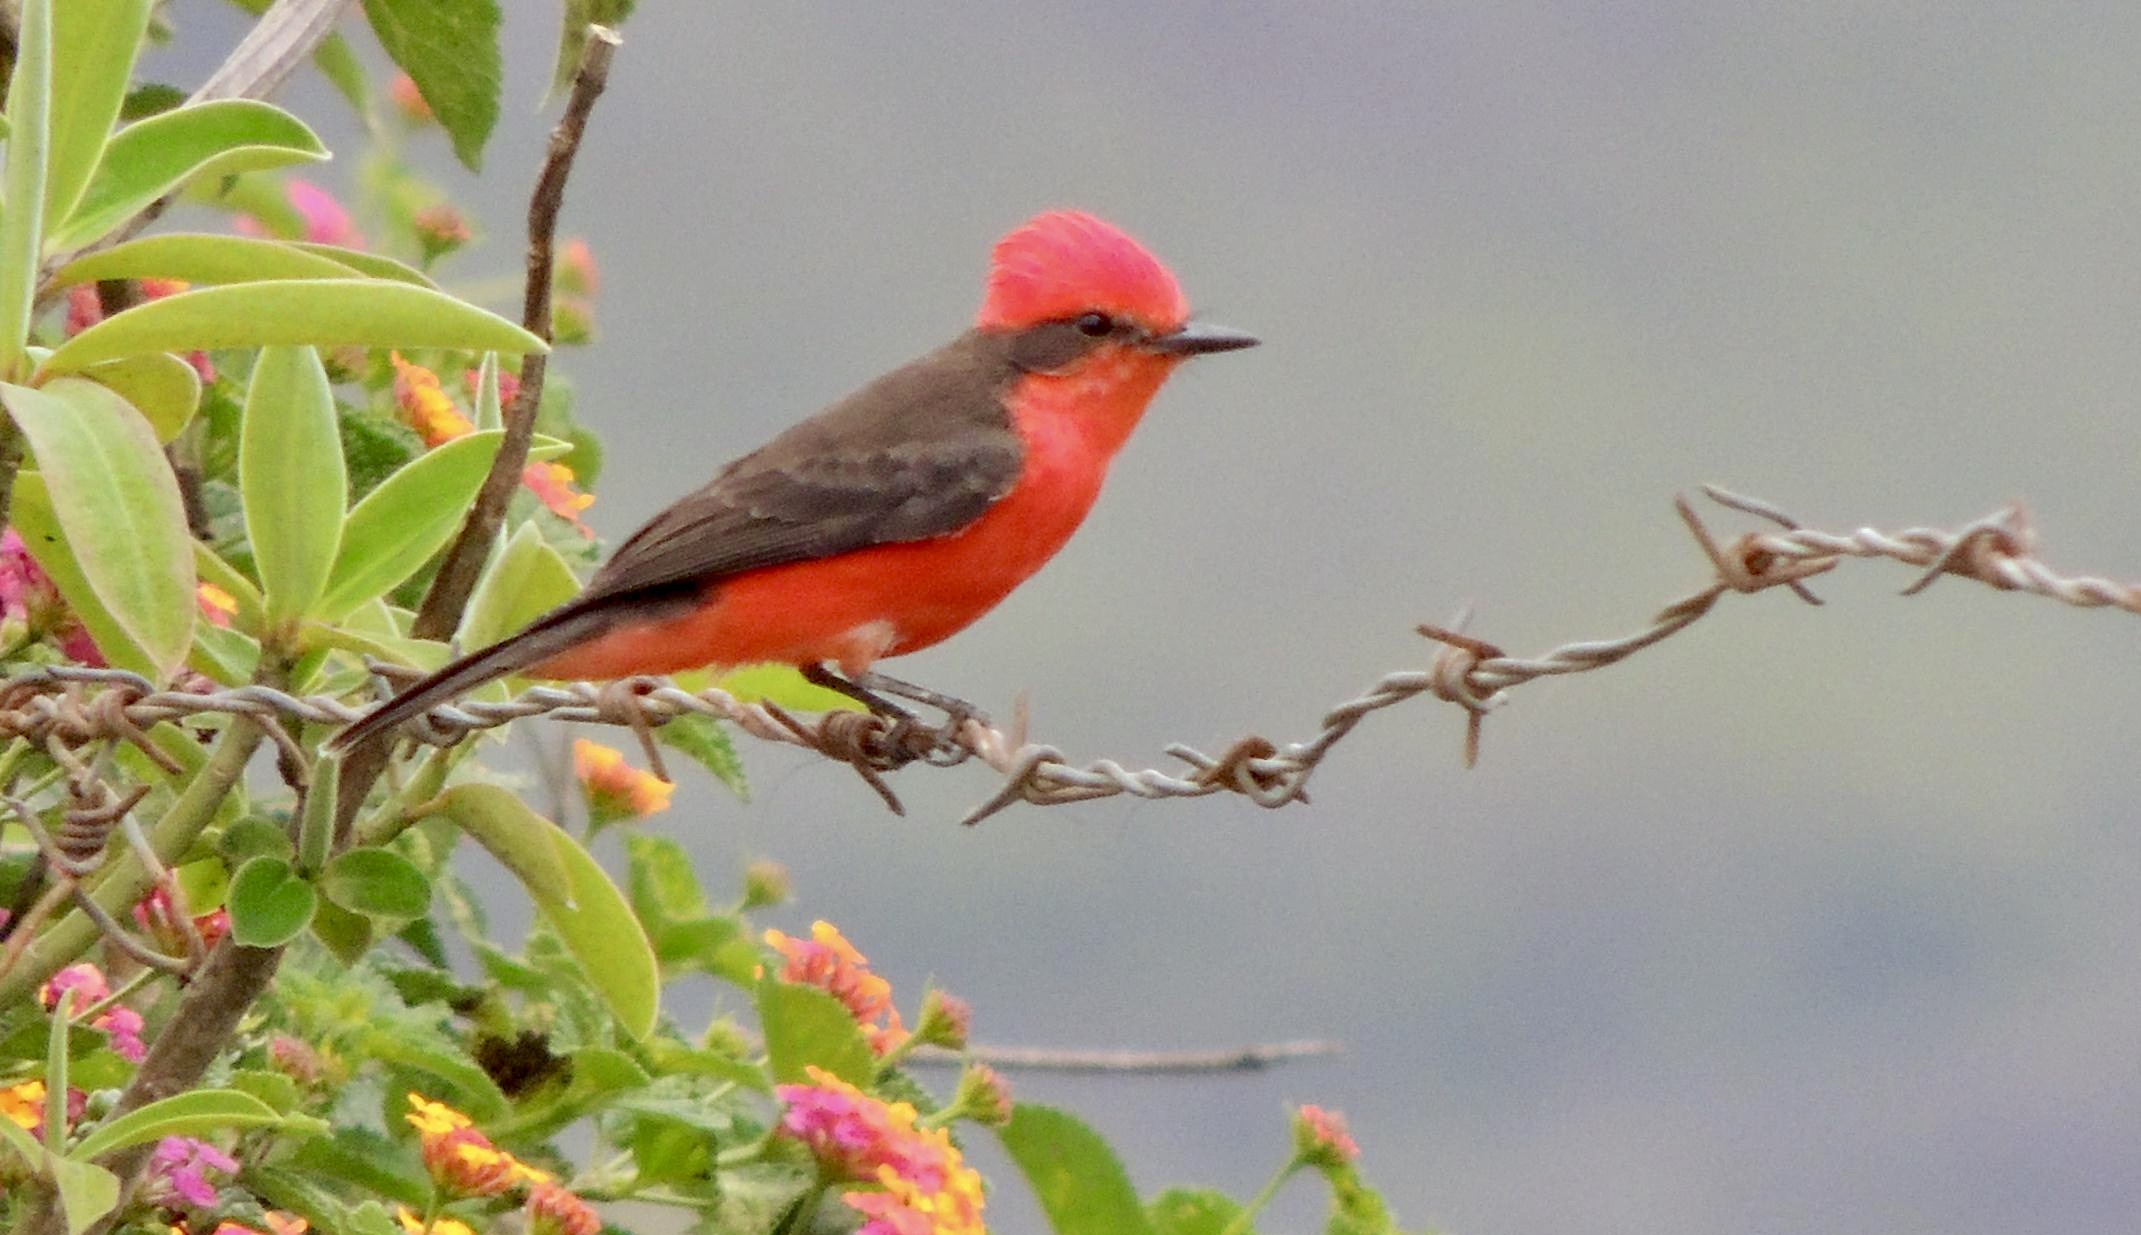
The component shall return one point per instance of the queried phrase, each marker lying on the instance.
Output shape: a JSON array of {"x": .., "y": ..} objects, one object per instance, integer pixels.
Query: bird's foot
[{"x": 938, "y": 744}]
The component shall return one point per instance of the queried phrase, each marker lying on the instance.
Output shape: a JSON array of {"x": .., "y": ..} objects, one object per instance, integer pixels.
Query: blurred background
[{"x": 1808, "y": 920}]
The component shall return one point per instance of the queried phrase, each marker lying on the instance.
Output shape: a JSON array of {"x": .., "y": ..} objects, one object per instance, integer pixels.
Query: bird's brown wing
[{"x": 919, "y": 453}]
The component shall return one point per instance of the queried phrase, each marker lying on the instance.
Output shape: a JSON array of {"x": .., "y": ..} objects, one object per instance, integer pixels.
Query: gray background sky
[{"x": 1806, "y": 921}]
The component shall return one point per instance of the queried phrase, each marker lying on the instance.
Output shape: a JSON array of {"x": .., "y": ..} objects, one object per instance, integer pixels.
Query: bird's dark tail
[{"x": 564, "y": 629}]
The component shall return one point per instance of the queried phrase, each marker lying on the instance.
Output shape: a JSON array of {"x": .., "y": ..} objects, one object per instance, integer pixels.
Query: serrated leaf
[
  {"x": 474, "y": 1092},
  {"x": 291, "y": 479},
  {"x": 194, "y": 1113},
  {"x": 706, "y": 741},
  {"x": 449, "y": 48},
  {"x": 396, "y": 528},
  {"x": 319, "y": 312},
  {"x": 524, "y": 581},
  {"x": 378, "y": 883},
  {"x": 151, "y": 157},
  {"x": 93, "y": 48},
  {"x": 805, "y": 1027},
  {"x": 117, "y": 506},
  {"x": 199, "y": 258},
  {"x": 163, "y": 388},
  {"x": 269, "y": 904},
  {"x": 1079, "y": 1182},
  {"x": 1195, "y": 1211}
]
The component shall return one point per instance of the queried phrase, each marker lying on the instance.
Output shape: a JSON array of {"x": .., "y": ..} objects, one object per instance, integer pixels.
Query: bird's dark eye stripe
[{"x": 1095, "y": 325}]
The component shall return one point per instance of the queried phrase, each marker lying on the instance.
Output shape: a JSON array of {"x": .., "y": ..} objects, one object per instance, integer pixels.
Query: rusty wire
[{"x": 75, "y": 706}]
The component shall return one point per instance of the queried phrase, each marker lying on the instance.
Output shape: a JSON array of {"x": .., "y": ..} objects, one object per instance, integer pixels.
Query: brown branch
[
  {"x": 440, "y": 613},
  {"x": 1254, "y": 1057}
]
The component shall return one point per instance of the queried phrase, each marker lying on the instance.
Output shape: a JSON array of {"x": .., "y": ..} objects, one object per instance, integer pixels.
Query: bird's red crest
[{"x": 1064, "y": 263}]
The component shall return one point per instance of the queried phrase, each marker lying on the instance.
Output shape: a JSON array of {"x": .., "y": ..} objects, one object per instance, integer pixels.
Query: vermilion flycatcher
[{"x": 900, "y": 514}]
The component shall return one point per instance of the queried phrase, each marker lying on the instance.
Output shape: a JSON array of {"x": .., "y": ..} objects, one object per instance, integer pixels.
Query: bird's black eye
[{"x": 1095, "y": 325}]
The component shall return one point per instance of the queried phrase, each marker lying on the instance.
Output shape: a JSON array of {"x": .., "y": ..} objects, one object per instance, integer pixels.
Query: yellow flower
[
  {"x": 434, "y": 1118},
  {"x": 24, "y": 1105},
  {"x": 414, "y": 1224},
  {"x": 425, "y": 406},
  {"x": 615, "y": 789}
]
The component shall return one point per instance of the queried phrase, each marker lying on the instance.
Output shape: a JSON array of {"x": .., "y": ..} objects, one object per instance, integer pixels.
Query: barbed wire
[{"x": 76, "y": 706}]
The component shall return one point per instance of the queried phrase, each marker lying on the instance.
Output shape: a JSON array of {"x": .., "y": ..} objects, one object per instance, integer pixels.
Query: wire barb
[{"x": 69, "y": 707}]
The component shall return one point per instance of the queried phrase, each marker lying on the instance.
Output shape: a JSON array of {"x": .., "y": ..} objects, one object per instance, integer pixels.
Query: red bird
[{"x": 897, "y": 516}]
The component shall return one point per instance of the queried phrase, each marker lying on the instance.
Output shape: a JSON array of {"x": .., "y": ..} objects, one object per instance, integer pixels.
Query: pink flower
[
  {"x": 1321, "y": 1139},
  {"x": 326, "y": 222},
  {"x": 27, "y": 594},
  {"x": 179, "y": 1169},
  {"x": 121, "y": 1025}
]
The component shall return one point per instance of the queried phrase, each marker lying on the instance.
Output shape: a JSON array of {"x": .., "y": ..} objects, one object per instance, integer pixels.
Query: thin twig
[
  {"x": 1047, "y": 1059},
  {"x": 440, "y": 613}
]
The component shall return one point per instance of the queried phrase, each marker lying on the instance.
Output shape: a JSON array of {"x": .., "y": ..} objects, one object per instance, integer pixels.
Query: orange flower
[
  {"x": 461, "y": 1160},
  {"x": 425, "y": 406},
  {"x": 552, "y": 483},
  {"x": 613, "y": 788},
  {"x": 554, "y": 1210},
  {"x": 829, "y": 962}
]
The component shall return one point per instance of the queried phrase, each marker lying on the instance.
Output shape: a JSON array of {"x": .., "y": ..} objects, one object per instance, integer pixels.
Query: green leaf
[
  {"x": 509, "y": 828},
  {"x": 195, "y": 1113},
  {"x": 93, "y": 48},
  {"x": 490, "y": 413},
  {"x": 163, "y": 388},
  {"x": 33, "y": 516},
  {"x": 378, "y": 883},
  {"x": 14, "y": 1136},
  {"x": 316, "y": 823},
  {"x": 151, "y": 157},
  {"x": 806, "y": 1027},
  {"x": 449, "y": 48},
  {"x": 347, "y": 935},
  {"x": 199, "y": 258},
  {"x": 706, "y": 742},
  {"x": 29, "y": 105},
  {"x": 415, "y": 1044},
  {"x": 118, "y": 507},
  {"x": 1194, "y": 1211},
  {"x": 321, "y": 312},
  {"x": 598, "y": 928},
  {"x": 291, "y": 479},
  {"x": 783, "y": 685},
  {"x": 269, "y": 903},
  {"x": 1076, "y": 1177},
  {"x": 523, "y": 582},
  {"x": 340, "y": 66},
  {"x": 86, "y": 1192},
  {"x": 409, "y": 517},
  {"x": 212, "y": 569},
  {"x": 371, "y": 265},
  {"x": 572, "y": 40}
]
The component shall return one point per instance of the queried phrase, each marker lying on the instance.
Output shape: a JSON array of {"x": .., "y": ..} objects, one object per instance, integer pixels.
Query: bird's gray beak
[{"x": 1197, "y": 338}]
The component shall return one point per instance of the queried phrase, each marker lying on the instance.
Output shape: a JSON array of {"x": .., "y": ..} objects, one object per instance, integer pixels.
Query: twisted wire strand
[{"x": 75, "y": 706}]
